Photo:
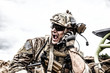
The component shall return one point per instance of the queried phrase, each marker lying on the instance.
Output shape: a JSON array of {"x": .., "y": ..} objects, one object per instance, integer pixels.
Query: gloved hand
[
  {"x": 69, "y": 38},
  {"x": 67, "y": 61},
  {"x": 22, "y": 71},
  {"x": 43, "y": 58}
]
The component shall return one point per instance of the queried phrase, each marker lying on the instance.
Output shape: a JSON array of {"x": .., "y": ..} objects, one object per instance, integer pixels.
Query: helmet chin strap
[{"x": 62, "y": 42}]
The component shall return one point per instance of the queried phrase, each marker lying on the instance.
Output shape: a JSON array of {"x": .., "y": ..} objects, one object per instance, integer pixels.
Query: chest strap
[{"x": 51, "y": 58}]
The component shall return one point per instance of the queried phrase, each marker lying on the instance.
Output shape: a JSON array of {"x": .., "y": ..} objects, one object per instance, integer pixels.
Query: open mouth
[{"x": 55, "y": 37}]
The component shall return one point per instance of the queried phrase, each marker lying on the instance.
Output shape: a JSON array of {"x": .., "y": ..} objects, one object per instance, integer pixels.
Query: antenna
[{"x": 87, "y": 43}]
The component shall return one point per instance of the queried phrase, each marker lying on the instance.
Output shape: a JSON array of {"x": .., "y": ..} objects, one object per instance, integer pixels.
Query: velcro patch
[{"x": 28, "y": 45}]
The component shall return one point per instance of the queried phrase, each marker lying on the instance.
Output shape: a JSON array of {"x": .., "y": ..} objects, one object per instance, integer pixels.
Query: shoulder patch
[{"x": 27, "y": 45}]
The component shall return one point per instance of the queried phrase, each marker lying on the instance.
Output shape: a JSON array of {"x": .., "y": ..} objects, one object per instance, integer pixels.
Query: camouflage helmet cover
[{"x": 63, "y": 19}]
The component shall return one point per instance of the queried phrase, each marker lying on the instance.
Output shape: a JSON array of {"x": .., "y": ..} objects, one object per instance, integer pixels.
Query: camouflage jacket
[{"x": 27, "y": 54}]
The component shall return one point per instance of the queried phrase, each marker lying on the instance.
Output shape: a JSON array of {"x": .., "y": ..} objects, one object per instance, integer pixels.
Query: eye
[
  {"x": 57, "y": 27},
  {"x": 60, "y": 28}
]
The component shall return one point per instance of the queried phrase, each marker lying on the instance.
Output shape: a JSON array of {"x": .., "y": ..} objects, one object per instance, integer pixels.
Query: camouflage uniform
[
  {"x": 58, "y": 59},
  {"x": 4, "y": 66},
  {"x": 27, "y": 54}
]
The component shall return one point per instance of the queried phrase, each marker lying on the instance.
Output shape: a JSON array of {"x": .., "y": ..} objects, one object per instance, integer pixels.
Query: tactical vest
[{"x": 56, "y": 56}]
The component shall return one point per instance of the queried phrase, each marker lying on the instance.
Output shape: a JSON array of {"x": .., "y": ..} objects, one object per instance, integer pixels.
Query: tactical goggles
[{"x": 57, "y": 27}]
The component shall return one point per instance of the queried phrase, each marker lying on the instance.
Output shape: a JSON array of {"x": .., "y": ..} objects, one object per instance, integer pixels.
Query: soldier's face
[{"x": 57, "y": 32}]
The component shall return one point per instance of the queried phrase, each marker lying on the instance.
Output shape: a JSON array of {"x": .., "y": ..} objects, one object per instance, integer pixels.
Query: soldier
[{"x": 56, "y": 53}]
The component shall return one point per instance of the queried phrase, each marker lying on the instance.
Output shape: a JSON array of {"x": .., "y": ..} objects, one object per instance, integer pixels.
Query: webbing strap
[{"x": 51, "y": 58}]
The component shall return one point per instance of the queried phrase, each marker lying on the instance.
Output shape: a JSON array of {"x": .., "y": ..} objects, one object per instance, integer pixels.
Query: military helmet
[{"x": 64, "y": 19}]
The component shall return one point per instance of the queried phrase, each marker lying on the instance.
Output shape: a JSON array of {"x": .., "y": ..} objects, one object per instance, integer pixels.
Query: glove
[
  {"x": 67, "y": 61},
  {"x": 22, "y": 71},
  {"x": 43, "y": 58},
  {"x": 69, "y": 38}
]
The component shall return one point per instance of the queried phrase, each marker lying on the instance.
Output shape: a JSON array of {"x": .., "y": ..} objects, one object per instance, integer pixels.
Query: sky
[{"x": 24, "y": 19}]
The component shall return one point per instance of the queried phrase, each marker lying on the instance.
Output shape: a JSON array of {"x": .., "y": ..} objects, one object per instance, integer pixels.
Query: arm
[
  {"x": 26, "y": 54},
  {"x": 78, "y": 64},
  {"x": 22, "y": 58}
]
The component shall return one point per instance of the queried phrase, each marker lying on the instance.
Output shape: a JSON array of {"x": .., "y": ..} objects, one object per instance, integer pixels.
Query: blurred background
[{"x": 24, "y": 19}]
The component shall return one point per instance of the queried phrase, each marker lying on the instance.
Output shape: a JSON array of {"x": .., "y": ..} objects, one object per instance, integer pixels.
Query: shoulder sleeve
[
  {"x": 26, "y": 54},
  {"x": 22, "y": 58}
]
